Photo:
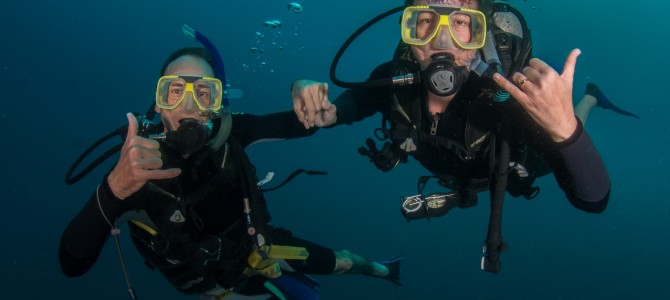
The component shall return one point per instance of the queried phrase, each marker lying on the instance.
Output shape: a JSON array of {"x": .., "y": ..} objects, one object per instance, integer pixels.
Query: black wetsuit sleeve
[
  {"x": 357, "y": 104},
  {"x": 248, "y": 129},
  {"x": 84, "y": 237},
  {"x": 577, "y": 166},
  {"x": 581, "y": 171}
]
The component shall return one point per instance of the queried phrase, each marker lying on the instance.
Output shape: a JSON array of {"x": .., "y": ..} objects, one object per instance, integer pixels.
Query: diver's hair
[{"x": 192, "y": 51}]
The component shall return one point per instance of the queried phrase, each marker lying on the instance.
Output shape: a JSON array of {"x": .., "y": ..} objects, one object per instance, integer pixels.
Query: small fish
[
  {"x": 295, "y": 7},
  {"x": 272, "y": 24}
]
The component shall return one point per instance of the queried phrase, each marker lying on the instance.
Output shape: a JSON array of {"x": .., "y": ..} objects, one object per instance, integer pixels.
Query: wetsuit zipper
[{"x": 433, "y": 125}]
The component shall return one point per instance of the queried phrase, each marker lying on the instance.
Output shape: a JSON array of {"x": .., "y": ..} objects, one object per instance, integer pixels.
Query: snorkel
[{"x": 219, "y": 72}]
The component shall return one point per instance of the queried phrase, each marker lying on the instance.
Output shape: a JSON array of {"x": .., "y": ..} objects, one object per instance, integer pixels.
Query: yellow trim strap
[
  {"x": 145, "y": 227},
  {"x": 288, "y": 252},
  {"x": 266, "y": 264}
]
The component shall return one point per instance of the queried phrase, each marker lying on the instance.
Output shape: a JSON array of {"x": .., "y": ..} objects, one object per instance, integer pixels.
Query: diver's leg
[
  {"x": 584, "y": 107},
  {"x": 352, "y": 263},
  {"x": 324, "y": 261},
  {"x": 347, "y": 262}
]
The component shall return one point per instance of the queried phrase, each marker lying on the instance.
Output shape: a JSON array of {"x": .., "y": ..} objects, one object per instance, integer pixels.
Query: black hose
[
  {"x": 494, "y": 241},
  {"x": 121, "y": 131},
  {"x": 69, "y": 179},
  {"x": 336, "y": 60},
  {"x": 293, "y": 175}
]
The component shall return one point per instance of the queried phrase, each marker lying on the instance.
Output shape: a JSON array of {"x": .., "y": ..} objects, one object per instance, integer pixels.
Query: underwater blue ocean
[{"x": 70, "y": 70}]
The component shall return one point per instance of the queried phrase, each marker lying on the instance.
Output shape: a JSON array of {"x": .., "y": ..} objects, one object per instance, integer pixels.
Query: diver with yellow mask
[
  {"x": 464, "y": 96},
  {"x": 193, "y": 203}
]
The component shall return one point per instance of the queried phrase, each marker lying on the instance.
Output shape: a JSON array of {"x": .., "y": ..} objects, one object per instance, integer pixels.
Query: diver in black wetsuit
[
  {"x": 452, "y": 116},
  {"x": 191, "y": 197}
]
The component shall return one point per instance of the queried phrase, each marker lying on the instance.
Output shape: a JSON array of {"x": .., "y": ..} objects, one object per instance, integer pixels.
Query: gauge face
[{"x": 412, "y": 203}]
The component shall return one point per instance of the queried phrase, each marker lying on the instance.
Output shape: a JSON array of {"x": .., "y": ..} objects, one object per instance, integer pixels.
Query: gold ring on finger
[{"x": 521, "y": 82}]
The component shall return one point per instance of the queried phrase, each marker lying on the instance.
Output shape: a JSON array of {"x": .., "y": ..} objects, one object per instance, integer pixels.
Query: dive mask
[
  {"x": 443, "y": 24},
  {"x": 206, "y": 92}
]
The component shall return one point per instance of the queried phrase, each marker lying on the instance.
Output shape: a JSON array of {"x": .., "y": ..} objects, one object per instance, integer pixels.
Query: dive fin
[
  {"x": 296, "y": 286},
  {"x": 393, "y": 265},
  {"x": 604, "y": 102}
]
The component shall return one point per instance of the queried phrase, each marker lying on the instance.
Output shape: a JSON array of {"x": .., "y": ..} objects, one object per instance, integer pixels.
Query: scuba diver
[
  {"x": 192, "y": 200},
  {"x": 447, "y": 100}
]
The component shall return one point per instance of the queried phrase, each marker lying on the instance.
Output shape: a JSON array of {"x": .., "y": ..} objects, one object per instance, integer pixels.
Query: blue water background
[{"x": 70, "y": 70}]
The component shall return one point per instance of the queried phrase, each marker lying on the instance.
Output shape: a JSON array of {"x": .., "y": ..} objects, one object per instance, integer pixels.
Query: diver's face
[
  {"x": 463, "y": 57},
  {"x": 188, "y": 109}
]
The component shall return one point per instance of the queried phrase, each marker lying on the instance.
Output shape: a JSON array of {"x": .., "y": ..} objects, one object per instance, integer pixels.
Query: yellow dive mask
[
  {"x": 206, "y": 92},
  {"x": 443, "y": 24}
]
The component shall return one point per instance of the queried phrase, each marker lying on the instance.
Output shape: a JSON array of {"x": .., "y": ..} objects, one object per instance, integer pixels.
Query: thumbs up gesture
[{"x": 140, "y": 161}]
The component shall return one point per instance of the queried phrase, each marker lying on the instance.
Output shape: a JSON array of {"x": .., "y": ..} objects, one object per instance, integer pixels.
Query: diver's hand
[
  {"x": 311, "y": 105},
  {"x": 546, "y": 95},
  {"x": 140, "y": 161}
]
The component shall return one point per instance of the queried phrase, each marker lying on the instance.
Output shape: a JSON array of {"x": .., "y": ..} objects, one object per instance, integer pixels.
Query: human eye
[
  {"x": 203, "y": 92},
  {"x": 425, "y": 25},
  {"x": 203, "y": 89},
  {"x": 460, "y": 22},
  {"x": 175, "y": 92},
  {"x": 176, "y": 88},
  {"x": 425, "y": 19}
]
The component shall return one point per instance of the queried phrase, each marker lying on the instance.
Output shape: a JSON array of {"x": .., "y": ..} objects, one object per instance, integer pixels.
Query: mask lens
[
  {"x": 170, "y": 92},
  {"x": 203, "y": 92},
  {"x": 459, "y": 24},
  {"x": 419, "y": 25},
  {"x": 468, "y": 29},
  {"x": 426, "y": 25}
]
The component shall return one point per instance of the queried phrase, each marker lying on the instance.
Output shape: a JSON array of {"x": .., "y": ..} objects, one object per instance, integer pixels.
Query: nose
[
  {"x": 443, "y": 39},
  {"x": 188, "y": 105}
]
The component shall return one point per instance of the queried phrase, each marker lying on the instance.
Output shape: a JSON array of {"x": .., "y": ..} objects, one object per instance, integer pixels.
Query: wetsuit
[
  {"x": 575, "y": 162},
  {"x": 213, "y": 218}
]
